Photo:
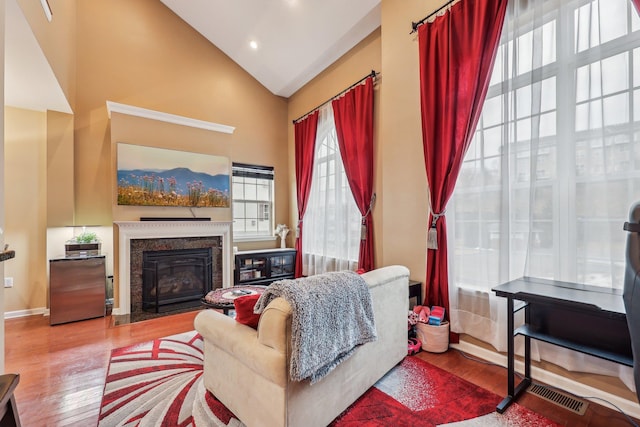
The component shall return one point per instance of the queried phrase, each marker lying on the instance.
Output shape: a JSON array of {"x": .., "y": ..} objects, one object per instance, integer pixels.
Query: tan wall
[
  {"x": 350, "y": 68},
  {"x": 57, "y": 40},
  {"x": 60, "y": 203},
  {"x": 404, "y": 192},
  {"x": 155, "y": 61},
  {"x": 25, "y": 208}
]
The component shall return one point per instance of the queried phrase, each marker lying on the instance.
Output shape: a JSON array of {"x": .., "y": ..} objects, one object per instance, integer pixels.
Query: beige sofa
[{"x": 248, "y": 370}]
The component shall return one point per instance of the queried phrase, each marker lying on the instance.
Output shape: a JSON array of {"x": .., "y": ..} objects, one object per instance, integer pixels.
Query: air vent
[{"x": 561, "y": 399}]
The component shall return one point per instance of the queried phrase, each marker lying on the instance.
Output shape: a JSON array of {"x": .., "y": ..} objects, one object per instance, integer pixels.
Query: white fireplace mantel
[{"x": 131, "y": 230}]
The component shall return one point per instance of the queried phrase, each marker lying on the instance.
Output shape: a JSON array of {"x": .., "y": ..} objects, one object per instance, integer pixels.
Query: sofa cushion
[{"x": 244, "y": 310}]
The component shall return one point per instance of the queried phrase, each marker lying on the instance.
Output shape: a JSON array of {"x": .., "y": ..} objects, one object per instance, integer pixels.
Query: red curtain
[
  {"x": 353, "y": 116},
  {"x": 457, "y": 52},
  {"x": 305, "y": 140},
  {"x": 636, "y": 3}
]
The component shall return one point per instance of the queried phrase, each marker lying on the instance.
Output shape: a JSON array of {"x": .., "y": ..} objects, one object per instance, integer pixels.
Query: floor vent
[{"x": 561, "y": 399}]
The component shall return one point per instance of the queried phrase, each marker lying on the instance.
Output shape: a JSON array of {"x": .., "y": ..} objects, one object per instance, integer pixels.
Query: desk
[{"x": 588, "y": 319}]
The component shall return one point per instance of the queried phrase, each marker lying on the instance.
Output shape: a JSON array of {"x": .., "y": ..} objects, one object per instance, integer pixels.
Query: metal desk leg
[
  {"x": 502, "y": 406},
  {"x": 514, "y": 391}
]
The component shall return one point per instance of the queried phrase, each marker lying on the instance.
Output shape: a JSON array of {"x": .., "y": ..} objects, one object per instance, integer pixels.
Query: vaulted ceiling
[{"x": 294, "y": 39}]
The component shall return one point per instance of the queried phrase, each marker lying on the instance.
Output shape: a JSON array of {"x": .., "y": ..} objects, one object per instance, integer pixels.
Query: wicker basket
[{"x": 435, "y": 339}]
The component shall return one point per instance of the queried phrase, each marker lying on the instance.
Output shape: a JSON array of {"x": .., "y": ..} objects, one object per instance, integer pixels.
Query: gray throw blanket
[{"x": 332, "y": 314}]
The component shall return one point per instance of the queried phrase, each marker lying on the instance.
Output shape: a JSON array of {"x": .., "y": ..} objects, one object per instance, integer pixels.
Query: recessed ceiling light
[{"x": 253, "y": 44}]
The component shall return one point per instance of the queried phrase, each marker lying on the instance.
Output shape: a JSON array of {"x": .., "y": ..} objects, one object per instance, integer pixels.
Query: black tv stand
[{"x": 587, "y": 319}]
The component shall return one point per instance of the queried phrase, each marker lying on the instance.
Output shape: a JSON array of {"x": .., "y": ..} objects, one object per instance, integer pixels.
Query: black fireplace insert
[{"x": 175, "y": 279}]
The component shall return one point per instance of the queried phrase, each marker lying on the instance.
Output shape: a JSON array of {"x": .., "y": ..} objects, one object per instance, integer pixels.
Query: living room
[{"x": 141, "y": 54}]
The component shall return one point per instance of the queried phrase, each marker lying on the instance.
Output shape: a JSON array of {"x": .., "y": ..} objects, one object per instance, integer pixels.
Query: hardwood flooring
[{"x": 62, "y": 369}]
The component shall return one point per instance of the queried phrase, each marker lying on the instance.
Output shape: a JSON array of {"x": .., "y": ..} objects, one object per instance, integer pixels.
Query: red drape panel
[
  {"x": 353, "y": 116},
  {"x": 457, "y": 52},
  {"x": 636, "y": 3},
  {"x": 305, "y": 141}
]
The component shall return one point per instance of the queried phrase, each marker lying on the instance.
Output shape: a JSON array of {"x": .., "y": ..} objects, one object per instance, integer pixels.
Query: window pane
[
  {"x": 252, "y": 210},
  {"x": 492, "y": 141},
  {"x": 599, "y": 22},
  {"x": 263, "y": 190},
  {"x": 616, "y": 109},
  {"x": 615, "y": 73},
  {"x": 589, "y": 116},
  {"x": 252, "y": 202},
  {"x": 613, "y": 19},
  {"x": 492, "y": 111},
  {"x": 547, "y": 125},
  {"x": 238, "y": 188},
  {"x": 548, "y": 96},
  {"x": 250, "y": 189},
  {"x": 238, "y": 210}
]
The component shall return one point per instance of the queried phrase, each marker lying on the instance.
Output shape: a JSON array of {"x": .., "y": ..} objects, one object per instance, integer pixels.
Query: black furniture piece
[
  {"x": 263, "y": 267},
  {"x": 631, "y": 294},
  {"x": 415, "y": 291},
  {"x": 583, "y": 318}
]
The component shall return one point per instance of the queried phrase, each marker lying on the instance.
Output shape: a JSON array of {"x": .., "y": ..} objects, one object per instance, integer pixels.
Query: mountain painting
[{"x": 150, "y": 176}]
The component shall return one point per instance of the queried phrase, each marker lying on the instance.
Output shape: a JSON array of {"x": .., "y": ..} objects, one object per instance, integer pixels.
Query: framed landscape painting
[{"x": 150, "y": 176}]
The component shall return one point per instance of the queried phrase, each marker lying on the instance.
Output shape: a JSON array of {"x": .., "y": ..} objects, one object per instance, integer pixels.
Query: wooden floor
[{"x": 62, "y": 370}]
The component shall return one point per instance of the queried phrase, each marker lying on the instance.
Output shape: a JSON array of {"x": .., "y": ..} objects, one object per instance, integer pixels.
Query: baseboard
[
  {"x": 631, "y": 408},
  {"x": 42, "y": 311}
]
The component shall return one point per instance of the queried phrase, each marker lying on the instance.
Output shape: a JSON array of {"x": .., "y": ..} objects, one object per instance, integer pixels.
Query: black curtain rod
[
  {"x": 415, "y": 25},
  {"x": 371, "y": 74}
]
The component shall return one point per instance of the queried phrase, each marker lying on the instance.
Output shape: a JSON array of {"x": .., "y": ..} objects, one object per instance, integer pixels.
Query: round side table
[{"x": 222, "y": 298}]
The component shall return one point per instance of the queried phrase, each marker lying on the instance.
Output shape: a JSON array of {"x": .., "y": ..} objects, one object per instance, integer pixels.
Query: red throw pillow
[{"x": 244, "y": 310}]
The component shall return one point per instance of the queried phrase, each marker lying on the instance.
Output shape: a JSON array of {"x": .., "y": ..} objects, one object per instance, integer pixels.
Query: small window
[{"x": 252, "y": 193}]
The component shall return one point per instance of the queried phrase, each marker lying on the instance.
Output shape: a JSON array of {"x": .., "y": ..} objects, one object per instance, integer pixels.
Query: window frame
[
  {"x": 265, "y": 208},
  {"x": 566, "y": 105}
]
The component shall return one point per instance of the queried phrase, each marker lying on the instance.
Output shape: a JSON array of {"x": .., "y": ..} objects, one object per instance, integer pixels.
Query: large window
[
  {"x": 252, "y": 202},
  {"x": 555, "y": 163},
  {"x": 332, "y": 220}
]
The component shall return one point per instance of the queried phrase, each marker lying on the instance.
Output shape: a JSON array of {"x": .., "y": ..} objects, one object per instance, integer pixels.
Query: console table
[
  {"x": 262, "y": 267},
  {"x": 584, "y": 318}
]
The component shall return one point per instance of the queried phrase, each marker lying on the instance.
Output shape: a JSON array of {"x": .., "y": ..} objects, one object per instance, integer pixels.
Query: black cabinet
[{"x": 264, "y": 266}]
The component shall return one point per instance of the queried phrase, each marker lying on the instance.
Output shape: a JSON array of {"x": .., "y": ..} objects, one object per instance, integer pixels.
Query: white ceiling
[
  {"x": 297, "y": 39},
  {"x": 29, "y": 80}
]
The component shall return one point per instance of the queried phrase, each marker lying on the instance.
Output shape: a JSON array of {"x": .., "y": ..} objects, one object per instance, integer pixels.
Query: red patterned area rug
[{"x": 159, "y": 383}]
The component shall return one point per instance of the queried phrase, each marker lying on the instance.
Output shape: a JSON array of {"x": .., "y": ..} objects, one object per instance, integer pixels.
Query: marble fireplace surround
[{"x": 131, "y": 230}]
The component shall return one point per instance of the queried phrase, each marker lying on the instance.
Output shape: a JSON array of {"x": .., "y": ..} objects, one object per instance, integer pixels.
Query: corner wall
[
  {"x": 405, "y": 207},
  {"x": 25, "y": 178}
]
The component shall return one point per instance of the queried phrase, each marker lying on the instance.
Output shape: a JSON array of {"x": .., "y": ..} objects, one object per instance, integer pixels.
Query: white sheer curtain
[
  {"x": 554, "y": 167},
  {"x": 332, "y": 219}
]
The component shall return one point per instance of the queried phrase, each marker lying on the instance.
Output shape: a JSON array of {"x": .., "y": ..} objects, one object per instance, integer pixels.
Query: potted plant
[{"x": 84, "y": 244}]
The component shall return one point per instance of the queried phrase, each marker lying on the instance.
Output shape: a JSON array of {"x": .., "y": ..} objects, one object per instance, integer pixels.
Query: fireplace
[
  {"x": 136, "y": 237},
  {"x": 175, "y": 279}
]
